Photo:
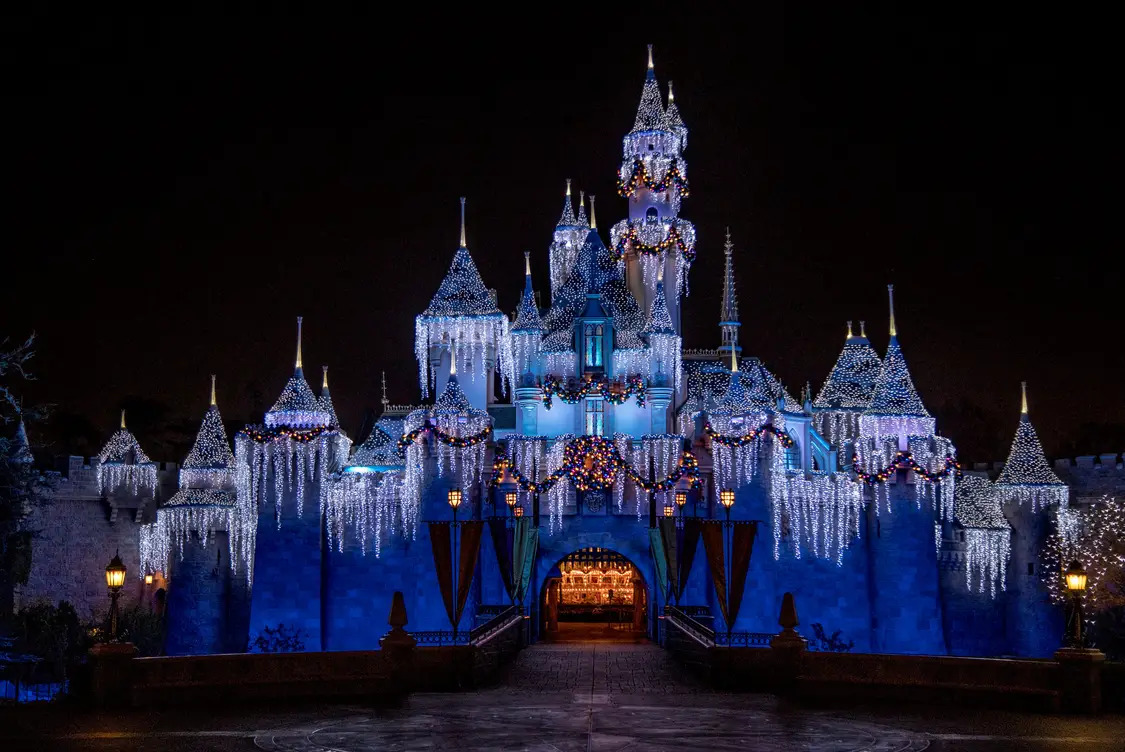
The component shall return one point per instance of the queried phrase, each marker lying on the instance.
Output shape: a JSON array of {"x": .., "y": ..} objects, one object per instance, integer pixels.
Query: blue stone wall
[
  {"x": 1035, "y": 625},
  {"x": 288, "y": 568},
  {"x": 975, "y": 623},
  {"x": 207, "y": 606},
  {"x": 906, "y": 614}
]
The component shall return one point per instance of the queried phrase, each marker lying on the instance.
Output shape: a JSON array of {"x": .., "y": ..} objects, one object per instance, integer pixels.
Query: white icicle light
[
  {"x": 122, "y": 463},
  {"x": 987, "y": 534},
  {"x": 1026, "y": 477}
]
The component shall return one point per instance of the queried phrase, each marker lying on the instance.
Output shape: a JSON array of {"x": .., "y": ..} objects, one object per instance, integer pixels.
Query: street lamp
[
  {"x": 114, "y": 579},
  {"x": 518, "y": 511},
  {"x": 511, "y": 499},
  {"x": 669, "y": 510},
  {"x": 148, "y": 579},
  {"x": 454, "y": 498},
  {"x": 681, "y": 500},
  {"x": 726, "y": 498},
  {"x": 1075, "y": 577}
]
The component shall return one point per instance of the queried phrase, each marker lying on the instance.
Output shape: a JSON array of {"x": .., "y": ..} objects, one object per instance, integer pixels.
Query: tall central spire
[
  {"x": 891, "y": 299},
  {"x": 299, "y": 320},
  {"x": 463, "y": 243},
  {"x": 728, "y": 316}
]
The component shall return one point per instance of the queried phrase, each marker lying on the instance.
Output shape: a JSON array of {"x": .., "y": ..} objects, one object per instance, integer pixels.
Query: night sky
[{"x": 180, "y": 192}]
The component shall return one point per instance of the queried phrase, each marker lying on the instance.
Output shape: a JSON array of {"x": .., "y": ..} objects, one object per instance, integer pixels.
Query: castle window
[
  {"x": 1031, "y": 567},
  {"x": 594, "y": 335},
  {"x": 595, "y": 417},
  {"x": 652, "y": 215},
  {"x": 793, "y": 457}
]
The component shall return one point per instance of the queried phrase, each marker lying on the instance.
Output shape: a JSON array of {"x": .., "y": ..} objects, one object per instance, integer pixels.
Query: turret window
[
  {"x": 793, "y": 457},
  {"x": 652, "y": 216},
  {"x": 595, "y": 417},
  {"x": 594, "y": 337}
]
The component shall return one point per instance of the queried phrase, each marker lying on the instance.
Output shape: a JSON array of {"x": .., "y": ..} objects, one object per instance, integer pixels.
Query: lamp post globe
[
  {"x": 114, "y": 580},
  {"x": 1075, "y": 579},
  {"x": 726, "y": 498}
]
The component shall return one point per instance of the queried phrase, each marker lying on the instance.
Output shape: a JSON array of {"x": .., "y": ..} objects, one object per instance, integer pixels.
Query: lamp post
[
  {"x": 681, "y": 500},
  {"x": 454, "y": 497},
  {"x": 726, "y": 499},
  {"x": 1075, "y": 577},
  {"x": 114, "y": 579},
  {"x": 511, "y": 499}
]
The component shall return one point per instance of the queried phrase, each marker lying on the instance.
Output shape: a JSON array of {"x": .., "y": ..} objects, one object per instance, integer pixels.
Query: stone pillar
[
  {"x": 111, "y": 673},
  {"x": 527, "y": 407},
  {"x": 659, "y": 398},
  {"x": 638, "y": 604},
  {"x": 399, "y": 645},
  {"x": 553, "y": 587},
  {"x": 787, "y": 647},
  {"x": 1080, "y": 679}
]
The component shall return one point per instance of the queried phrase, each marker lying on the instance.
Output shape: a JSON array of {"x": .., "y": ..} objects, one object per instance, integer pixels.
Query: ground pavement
[{"x": 601, "y": 695}]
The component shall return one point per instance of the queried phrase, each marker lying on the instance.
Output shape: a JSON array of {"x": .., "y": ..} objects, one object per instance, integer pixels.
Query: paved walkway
[{"x": 592, "y": 697}]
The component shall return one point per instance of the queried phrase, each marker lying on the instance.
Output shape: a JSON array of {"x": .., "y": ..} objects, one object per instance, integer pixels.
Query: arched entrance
[{"x": 594, "y": 594}]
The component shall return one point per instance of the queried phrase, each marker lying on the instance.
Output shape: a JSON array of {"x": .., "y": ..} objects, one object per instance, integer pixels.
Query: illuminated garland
[
  {"x": 593, "y": 463},
  {"x": 554, "y": 387},
  {"x": 628, "y": 188},
  {"x": 736, "y": 441},
  {"x": 459, "y": 442},
  {"x": 905, "y": 461},
  {"x": 263, "y": 434},
  {"x": 673, "y": 239}
]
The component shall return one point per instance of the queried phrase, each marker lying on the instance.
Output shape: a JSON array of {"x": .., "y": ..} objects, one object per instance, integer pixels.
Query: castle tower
[
  {"x": 464, "y": 322},
  {"x": 527, "y": 335},
  {"x": 569, "y": 235},
  {"x": 325, "y": 400},
  {"x": 203, "y": 541},
  {"x": 728, "y": 316},
  {"x": 1031, "y": 494},
  {"x": 665, "y": 348},
  {"x": 906, "y": 613},
  {"x": 654, "y": 240},
  {"x": 848, "y": 390},
  {"x": 287, "y": 465}
]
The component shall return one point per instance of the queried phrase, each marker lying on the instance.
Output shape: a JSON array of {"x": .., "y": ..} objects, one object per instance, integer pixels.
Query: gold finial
[
  {"x": 1023, "y": 405},
  {"x": 660, "y": 275},
  {"x": 385, "y": 400},
  {"x": 593, "y": 217},
  {"x": 891, "y": 298},
  {"x": 463, "y": 244},
  {"x": 212, "y": 390},
  {"x": 863, "y": 329},
  {"x": 650, "y": 65},
  {"x": 324, "y": 383},
  {"x": 568, "y": 186},
  {"x": 671, "y": 96},
  {"x": 452, "y": 362},
  {"x": 850, "y": 335},
  {"x": 122, "y": 419},
  {"x": 527, "y": 263},
  {"x": 733, "y": 360},
  {"x": 299, "y": 320}
]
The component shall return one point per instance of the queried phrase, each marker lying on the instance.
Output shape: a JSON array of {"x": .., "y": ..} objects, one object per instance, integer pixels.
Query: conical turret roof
[
  {"x": 567, "y": 218},
  {"x": 583, "y": 221},
  {"x": 297, "y": 406},
  {"x": 650, "y": 112},
  {"x": 325, "y": 400},
  {"x": 20, "y": 446},
  {"x": 462, "y": 292},
  {"x": 211, "y": 449},
  {"x": 527, "y": 317},
  {"x": 977, "y": 505},
  {"x": 851, "y": 382},
  {"x": 1027, "y": 465},
  {"x": 660, "y": 321},
  {"x": 123, "y": 448},
  {"x": 672, "y": 119},
  {"x": 381, "y": 445},
  {"x": 894, "y": 393}
]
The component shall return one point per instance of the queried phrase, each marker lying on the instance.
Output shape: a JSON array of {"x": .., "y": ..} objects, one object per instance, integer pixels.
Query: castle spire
[
  {"x": 527, "y": 267},
  {"x": 463, "y": 243},
  {"x": 213, "y": 389},
  {"x": 527, "y": 316},
  {"x": 728, "y": 316},
  {"x": 385, "y": 401},
  {"x": 123, "y": 420},
  {"x": 325, "y": 400},
  {"x": 651, "y": 67},
  {"x": 324, "y": 381},
  {"x": 850, "y": 335},
  {"x": 650, "y": 112},
  {"x": 863, "y": 329},
  {"x": 1023, "y": 400},
  {"x": 891, "y": 299},
  {"x": 300, "y": 319},
  {"x": 1026, "y": 476},
  {"x": 567, "y": 218},
  {"x": 733, "y": 362},
  {"x": 211, "y": 449},
  {"x": 593, "y": 217},
  {"x": 582, "y": 221}
]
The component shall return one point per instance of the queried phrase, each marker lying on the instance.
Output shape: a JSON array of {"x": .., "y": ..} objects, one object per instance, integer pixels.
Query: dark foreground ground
[{"x": 569, "y": 696}]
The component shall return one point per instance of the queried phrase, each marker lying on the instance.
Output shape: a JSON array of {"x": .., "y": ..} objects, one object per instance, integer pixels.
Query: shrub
[
  {"x": 281, "y": 639},
  {"x": 52, "y": 633},
  {"x": 832, "y": 643}
]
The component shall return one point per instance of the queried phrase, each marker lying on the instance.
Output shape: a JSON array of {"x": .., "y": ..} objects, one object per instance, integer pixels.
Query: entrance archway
[{"x": 594, "y": 594}]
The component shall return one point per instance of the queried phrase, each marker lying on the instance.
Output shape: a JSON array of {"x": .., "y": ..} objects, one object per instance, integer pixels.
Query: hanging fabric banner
[
  {"x": 658, "y": 561},
  {"x": 669, "y": 538},
  {"x": 525, "y": 546},
  {"x": 686, "y": 553},
  {"x": 502, "y": 542},
  {"x": 443, "y": 563},
  {"x": 742, "y": 544},
  {"x": 712, "y": 533},
  {"x": 471, "y": 532}
]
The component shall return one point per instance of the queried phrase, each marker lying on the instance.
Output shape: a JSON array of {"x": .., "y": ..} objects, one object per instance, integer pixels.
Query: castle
[{"x": 576, "y": 428}]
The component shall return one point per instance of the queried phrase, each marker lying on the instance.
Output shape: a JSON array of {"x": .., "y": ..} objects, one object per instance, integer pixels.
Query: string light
[
  {"x": 614, "y": 393},
  {"x": 1094, "y": 535},
  {"x": 987, "y": 534},
  {"x": 848, "y": 390},
  {"x": 122, "y": 463}
]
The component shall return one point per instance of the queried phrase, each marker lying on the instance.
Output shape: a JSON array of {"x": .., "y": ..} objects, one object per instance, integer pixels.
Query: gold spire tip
[
  {"x": 300, "y": 319},
  {"x": 863, "y": 328},
  {"x": 1023, "y": 403},
  {"x": 733, "y": 360},
  {"x": 452, "y": 363},
  {"x": 891, "y": 299},
  {"x": 527, "y": 263},
  {"x": 593, "y": 219},
  {"x": 650, "y": 65},
  {"x": 324, "y": 382},
  {"x": 122, "y": 419},
  {"x": 568, "y": 186},
  {"x": 671, "y": 96},
  {"x": 213, "y": 390},
  {"x": 463, "y": 243},
  {"x": 850, "y": 335}
]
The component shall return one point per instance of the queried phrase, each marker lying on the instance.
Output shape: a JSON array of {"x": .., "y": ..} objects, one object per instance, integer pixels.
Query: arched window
[
  {"x": 793, "y": 456},
  {"x": 652, "y": 216},
  {"x": 594, "y": 334},
  {"x": 595, "y": 417}
]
